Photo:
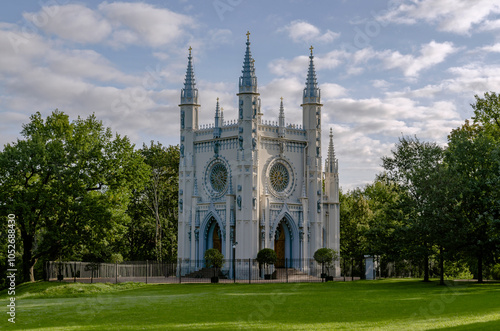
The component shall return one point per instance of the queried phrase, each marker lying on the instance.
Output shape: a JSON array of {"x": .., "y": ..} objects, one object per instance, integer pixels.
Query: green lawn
[{"x": 374, "y": 305}]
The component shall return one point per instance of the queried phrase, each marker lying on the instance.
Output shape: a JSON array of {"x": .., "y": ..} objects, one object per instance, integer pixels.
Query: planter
[
  {"x": 267, "y": 276},
  {"x": 329, "y": 278},
  {"x": 60, "y": 277},
  {"x": 323, "y": 275},
  {"x": 214, "y": 279}
]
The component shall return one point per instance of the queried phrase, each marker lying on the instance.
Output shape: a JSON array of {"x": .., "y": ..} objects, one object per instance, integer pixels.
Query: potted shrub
[
  {"x": 214, "y": 259},
  {"x": 267, "y": 256},
  {"x": 325, "y": 256}
]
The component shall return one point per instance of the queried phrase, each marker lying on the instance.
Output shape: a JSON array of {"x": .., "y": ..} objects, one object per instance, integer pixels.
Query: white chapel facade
[{"x": 255, "y": 182}]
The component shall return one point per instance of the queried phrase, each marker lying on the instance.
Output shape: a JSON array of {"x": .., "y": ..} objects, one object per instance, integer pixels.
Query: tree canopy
[{"x": 68, "y": 183}]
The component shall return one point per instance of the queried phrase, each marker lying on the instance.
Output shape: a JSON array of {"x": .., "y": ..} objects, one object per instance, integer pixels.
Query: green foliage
[
  {"x": 325, "y": 255},
  {"x": 354, "y": 217},
  {"x": 495, "y": 272},
  {"x": 487, "y": 110},
  {"x": 68, "y": 183},
  {"x": 413, "y": 167},
  {"x": 214, "y": 258},
  {"x": 152, "y": 232},
  {"x": 473, "y": 157},
  {"x": 267, "y": 256}
]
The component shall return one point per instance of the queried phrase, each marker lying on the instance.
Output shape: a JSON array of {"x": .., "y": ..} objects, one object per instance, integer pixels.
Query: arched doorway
[
  {"x": 280, "y": 244},
  {"x": 214, "y": 236}
]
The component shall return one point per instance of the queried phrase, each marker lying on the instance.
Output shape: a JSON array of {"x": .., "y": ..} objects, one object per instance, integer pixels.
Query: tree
[
  {"x": 412, "y": 166},
  {"x": 68, "y": 183},
  {"x": 153, "y": 230},
  {"x": 473, "y": 156},
  {"x": 487, "y": 111},
  {"x": 354, "y": 216},
  {"x": 267, "y": 256},
  {"x": 214, "y": 259},
  {"x": 325, "y": 256}
]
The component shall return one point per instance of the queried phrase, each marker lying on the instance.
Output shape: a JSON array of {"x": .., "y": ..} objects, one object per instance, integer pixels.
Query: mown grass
[{"x": 373, "y": 305}]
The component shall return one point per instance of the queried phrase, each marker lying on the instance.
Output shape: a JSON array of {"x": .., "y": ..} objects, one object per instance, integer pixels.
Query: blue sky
[{"x": 385, "y": 68}]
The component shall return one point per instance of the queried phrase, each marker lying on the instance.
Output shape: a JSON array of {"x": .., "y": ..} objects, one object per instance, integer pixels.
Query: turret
[
  {"x": 189, "y": 99},
  {"x": 218, "y": 121},
  {"x": 311, "y": 115},
  {"x": 331, "y": 165},
  {"x": 248, "y": 80},
  {"x": 281, "y": 121}
]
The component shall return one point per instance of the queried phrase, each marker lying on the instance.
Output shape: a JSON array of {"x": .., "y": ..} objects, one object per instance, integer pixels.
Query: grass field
[{"x": 373, "y": 305}]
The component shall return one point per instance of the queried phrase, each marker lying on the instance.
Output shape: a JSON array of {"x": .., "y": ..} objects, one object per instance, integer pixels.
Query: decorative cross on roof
[
  {"x": 190, "y": 49},
  {"x": 248, "y": 35},
  {"x": 311, "y": 49}
]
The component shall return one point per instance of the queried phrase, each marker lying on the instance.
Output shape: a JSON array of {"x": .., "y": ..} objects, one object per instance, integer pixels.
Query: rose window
[
  {"x": 218, "y": 177},
  {"x": 279, "y": 177}
]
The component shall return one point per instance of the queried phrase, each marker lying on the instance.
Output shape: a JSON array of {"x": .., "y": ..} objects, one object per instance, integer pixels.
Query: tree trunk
[
  {"x": 28, "y": 261},
  {"x": 352, "y": 269},
  {"x": 441, "y": 266},
  {"x": 480, "y": 268},
  {"x": 344, "y": 269},
  {"x": 426, "y": 268}
]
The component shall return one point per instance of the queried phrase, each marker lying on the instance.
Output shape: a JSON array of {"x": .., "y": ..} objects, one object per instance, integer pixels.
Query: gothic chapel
[{"x": 254, "y": 182}]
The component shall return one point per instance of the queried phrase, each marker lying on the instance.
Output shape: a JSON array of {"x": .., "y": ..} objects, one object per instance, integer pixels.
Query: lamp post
[{"x": 234, "y": 261}]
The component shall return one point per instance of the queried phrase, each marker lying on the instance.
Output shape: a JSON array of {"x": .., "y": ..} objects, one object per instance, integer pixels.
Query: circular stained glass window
[
  {"x": 279, "y": 177},
  {"x": 218, "y": 177}
]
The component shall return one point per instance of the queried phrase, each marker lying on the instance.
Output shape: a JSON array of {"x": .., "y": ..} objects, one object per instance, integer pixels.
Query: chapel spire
[
  {"x": 311, "y": 92},
  {"x": 281, "y": 120},
  {"x": 218, "y": 122},
  {"x": 248, "y": 80},
  {"x": 330, "y": 163},
  {"x": 189, "y": 94}
]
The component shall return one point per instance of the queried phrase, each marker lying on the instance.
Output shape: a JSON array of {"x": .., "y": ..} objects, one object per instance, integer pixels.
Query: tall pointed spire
[
  {"x": 281, "y": 120},
  {"x": 330, "y": 163},
  {"x": 189, "y": 94},
  {"x": 311, "y": 92},
  {"x": 248, "y": 80},
  {"x": 218, "y": 124}
]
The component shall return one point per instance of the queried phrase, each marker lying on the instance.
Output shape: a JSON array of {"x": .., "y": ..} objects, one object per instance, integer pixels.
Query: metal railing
[{"x": 192, "y": 271}]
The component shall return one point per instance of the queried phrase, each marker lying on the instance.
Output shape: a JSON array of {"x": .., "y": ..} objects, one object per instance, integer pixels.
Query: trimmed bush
[
  {"x": 213, "y": 258},
  {"x": 325, "y": 256}
]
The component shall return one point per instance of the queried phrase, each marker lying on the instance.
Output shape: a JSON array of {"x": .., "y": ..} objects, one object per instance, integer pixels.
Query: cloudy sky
[{"x": 385, "y": 68}]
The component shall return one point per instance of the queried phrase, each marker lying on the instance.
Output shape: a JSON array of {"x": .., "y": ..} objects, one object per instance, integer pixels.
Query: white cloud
[
  {"x": 430, "y": 54},
  {"x": 72, "y": 22},
  {"x": 492, "y": 48},
  {"x": 456, "y": 16},
  {"x": 145, "y": 24},
  {"x": 302, "y": 31},
  {"x": 87, "y": 64},
  {"x": 490, "y": 25}
]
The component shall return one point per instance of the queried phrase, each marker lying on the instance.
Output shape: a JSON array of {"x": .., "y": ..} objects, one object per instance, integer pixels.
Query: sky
[{"x": 386, "y": 69}]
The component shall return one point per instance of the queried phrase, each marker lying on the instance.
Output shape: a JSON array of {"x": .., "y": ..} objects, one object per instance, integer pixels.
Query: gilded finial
[
  {"x": 311, "y": 49},
  {"x": 281, "y": 99},
  {"x": 248, "y": 35},
  {"x": 217, "y": 99}
]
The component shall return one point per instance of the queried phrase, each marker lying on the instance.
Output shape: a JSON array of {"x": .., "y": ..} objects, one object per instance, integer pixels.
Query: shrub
[
  {"x": 214, "y": 258},
  {"x": 267, "y": 256},
  {"x": 326, "y": 256}
]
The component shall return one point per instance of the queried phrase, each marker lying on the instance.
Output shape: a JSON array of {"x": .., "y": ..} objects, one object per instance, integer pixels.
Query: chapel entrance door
[
  {"x": 279, "y": 246},
  {"x": 216, "y": 238}
]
